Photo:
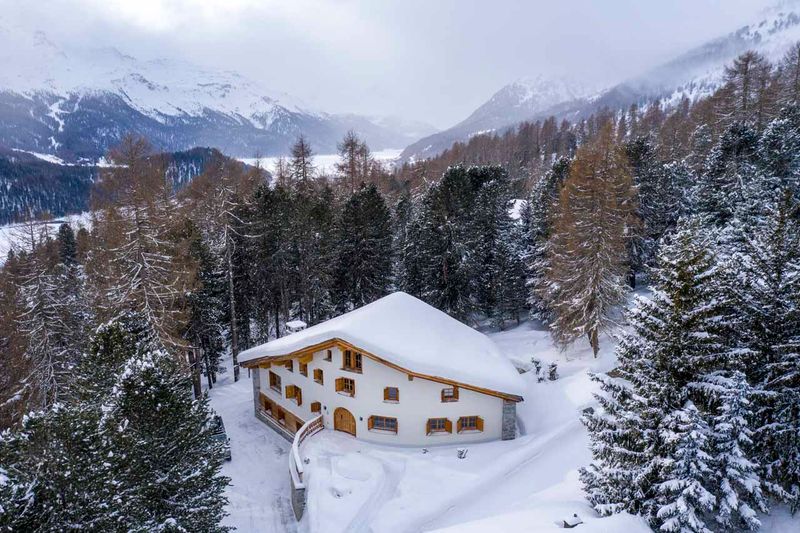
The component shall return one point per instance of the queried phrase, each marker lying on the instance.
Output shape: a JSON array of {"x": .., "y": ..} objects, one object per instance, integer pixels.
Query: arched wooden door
[{"x": 343, "y": 420}]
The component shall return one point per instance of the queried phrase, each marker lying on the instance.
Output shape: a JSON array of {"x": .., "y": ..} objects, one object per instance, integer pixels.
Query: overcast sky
[{"x": 433, "y": 60}]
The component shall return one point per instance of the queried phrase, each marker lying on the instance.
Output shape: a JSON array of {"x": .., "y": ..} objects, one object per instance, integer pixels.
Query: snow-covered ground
[
  {"x": 14, "y": 235},
  {"x": 326, "y": 163},
  {"x": 526, "y": 485}
]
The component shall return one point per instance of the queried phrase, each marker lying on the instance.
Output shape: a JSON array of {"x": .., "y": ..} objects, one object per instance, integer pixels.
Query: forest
[{"x": 108, "y": 334}]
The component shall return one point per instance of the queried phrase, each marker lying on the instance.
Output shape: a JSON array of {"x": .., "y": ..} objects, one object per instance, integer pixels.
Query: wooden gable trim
[{"x": 342, "y": 345}]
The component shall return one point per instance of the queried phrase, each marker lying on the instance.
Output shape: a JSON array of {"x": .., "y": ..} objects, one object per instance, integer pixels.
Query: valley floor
[{"x": 526, "y": 485}]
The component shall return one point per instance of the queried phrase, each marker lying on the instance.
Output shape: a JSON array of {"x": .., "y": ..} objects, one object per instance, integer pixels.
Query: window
[
  {"x": 304, "y": 369},
  {"x": 329, "y": 355},
  {"x": 290, "y": 365},
  {"x": 346, "y": 386},
  {"x": 391, "y": 394},
  {"x": 450, "y": 395},
  {"x": 382, "y": 423},
  {"x": 274, "y": 381},
  {"x": 316, "y": 407},
  {"x": 439, "y": 425},
  {"x": 294, "y": 392},
  {"x": 280, "y": 415},
  {"x": 351, "y": 361},
  {"x": 318, "y": 376},
  {"x": 470, "y": 423}
]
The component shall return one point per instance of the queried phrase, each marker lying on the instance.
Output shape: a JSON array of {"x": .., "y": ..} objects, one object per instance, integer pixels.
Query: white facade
[{"x": 419, "y": 400}]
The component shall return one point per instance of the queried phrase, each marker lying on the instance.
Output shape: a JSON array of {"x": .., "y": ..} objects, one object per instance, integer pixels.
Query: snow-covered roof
[{"x": 413, "y": 335}]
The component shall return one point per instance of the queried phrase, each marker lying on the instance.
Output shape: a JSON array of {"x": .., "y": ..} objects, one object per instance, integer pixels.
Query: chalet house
[{"x": 396, "y": 371}]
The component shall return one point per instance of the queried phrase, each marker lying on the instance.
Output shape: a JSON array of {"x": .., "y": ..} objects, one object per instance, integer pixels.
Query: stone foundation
[
  {"x": 298, "y": 497},
  {"x": 509, "y": 427}
]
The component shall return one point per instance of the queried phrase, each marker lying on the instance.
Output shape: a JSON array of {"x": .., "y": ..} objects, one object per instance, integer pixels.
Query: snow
[
  {"x": 515, "y": 209},
  {"x": 414, "y": 335},
  {"x": 529, "y": 484},
  {"x": 326, "y": 163},
  {"x": 12, "y": 235},
  {"x": 50, "y": 158},
  {"x": 159, "y": 88},
  {"x": 259, "y": 492}
]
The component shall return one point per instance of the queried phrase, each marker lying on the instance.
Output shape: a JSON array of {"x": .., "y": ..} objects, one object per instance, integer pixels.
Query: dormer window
[
  {"x": 351, "y": 361},
  {"x": 450, "y": 394}
]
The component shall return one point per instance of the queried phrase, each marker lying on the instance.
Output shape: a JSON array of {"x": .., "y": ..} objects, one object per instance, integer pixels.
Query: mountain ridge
[
  {"x": 75, "y": 103},
  {"x": 692, "y": 74}
]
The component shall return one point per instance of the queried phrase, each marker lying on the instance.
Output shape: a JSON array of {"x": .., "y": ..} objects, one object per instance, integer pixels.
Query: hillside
[{"x": 32, "y": 184}]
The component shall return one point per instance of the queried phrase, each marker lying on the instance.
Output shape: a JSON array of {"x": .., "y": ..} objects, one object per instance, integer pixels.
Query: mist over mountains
[{"x": 693, "y": 74}]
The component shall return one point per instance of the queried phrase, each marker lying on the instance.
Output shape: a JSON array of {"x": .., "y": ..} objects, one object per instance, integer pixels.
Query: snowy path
[{"x": 259, "y": 491}]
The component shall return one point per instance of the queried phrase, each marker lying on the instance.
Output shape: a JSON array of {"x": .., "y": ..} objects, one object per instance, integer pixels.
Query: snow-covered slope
[
  {"x": 525, "y": 98},
  {"x": 693, "y": 74},
  {"x": 74, "y": 102}
]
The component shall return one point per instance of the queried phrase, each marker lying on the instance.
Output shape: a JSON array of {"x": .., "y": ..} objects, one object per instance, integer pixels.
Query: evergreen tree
[
  {"x": 641, "y": 435},
  {"x": 736, "y": 478},
  {"x": 67, "y": 245},
  {"x": 537, "y": 218},
  {"x": 206, "y": 306},
  {"x": 363, "y": 269},
  {"x": 767, "y": 290},
  {"x": 732, "y": 164},
  {"x": 134, "y": 452},
  {"x": 685, "y": 498}
]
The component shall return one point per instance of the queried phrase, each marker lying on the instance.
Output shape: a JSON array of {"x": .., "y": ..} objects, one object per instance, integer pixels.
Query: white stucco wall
[{"x": 420, "y": 399}]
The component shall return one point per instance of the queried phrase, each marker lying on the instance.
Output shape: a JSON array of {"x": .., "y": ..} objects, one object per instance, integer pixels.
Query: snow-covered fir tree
[
  {"x": 363, "y": 262},
  {"x": 678, "y": 336},
  {"x": 685, "y": 500}
]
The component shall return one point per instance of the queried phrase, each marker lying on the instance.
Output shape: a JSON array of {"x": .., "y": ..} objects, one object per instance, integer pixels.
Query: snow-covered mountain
[
  {"x": 524, "y": 99},
  {"x": 76, "y": 102},
  {"x": 693, "y": 74}
]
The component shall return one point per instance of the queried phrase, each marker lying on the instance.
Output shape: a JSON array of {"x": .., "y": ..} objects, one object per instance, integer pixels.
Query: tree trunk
[
  {"x": 194, "y": 368},
  {"x": 594, "y": 341},
  {"x": 232, "y": 303}
]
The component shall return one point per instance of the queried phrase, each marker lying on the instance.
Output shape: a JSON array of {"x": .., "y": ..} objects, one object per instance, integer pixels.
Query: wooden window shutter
[
  {"x": 339, "y": 384},
  {"x": 459, "y": 425},
  {"x": 316, "y": 407},
  {"x": 298, "y": 394},
  {"x": 385, "y": 393},
  {"x": 370, "y": 422},
  {"x": 448, "y": 425},
  {"x": 290, "y": 391},
  {"x": 428, "y": 427},
  {"x": 480, "y": 424}
]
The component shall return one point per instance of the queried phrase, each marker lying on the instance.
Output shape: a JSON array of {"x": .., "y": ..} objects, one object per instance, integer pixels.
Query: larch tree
[
  {"x": 587, "y": 253},
  {"x": 301, "y": 164},
  {"x": 133, "y": 225}
]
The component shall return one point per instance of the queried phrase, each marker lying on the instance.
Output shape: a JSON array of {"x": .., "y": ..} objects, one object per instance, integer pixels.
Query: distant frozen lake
[{"x": 326, "y": 163}]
